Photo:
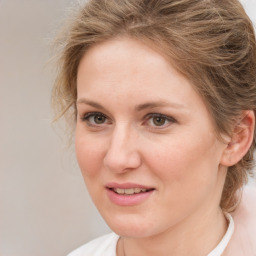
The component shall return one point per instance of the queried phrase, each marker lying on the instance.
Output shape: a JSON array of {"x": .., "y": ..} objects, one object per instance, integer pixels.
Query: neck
[{"x": 185, "y": 238}]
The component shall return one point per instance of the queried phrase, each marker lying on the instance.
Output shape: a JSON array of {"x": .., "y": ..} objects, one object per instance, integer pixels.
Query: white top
[
  {"x": 225, "y": 240},
  {"x": 106, "y": 245},
  {"x": 102, "y": 246}
]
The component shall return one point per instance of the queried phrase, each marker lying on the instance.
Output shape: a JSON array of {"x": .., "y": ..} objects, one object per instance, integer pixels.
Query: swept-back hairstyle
[{"x": 211, "y": 42}]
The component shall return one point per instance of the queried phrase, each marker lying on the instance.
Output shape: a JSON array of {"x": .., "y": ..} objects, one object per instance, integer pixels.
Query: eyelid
[
  {"x": 170, "y": 119},
  {"x": 93, "y": 113},
  {"x": 85, "y": 117},
  {"x": 161, "y": 115}
]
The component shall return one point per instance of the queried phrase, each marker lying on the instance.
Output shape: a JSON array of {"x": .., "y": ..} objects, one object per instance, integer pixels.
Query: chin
[
  {"x": 134, "y": 226},
  {"x": 132, "y": 232}
]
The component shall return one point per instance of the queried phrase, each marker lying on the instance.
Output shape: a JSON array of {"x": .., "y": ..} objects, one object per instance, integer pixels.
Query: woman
[{"x": 163, "y": 97}]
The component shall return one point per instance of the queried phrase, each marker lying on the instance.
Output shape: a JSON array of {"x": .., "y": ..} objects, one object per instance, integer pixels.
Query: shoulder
[
  {"x": 243, "y": 241},
  {"x": 104, "y": 245},
  {"x": 245, "y": 214}
]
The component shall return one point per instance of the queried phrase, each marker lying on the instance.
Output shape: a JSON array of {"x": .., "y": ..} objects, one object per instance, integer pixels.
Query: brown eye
[
  {"x": 158, "y": 120},
  {"x": 95, "y": 119},
  {"x": 99, "y": 119}
]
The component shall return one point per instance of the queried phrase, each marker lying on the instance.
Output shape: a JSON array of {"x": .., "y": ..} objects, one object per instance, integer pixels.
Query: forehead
[
  {"x": 110, "y": 53},
  {"x": 126, "y": 68},
  {"x": 121, "y": 74},
  {"x": 122, "y": 60}
]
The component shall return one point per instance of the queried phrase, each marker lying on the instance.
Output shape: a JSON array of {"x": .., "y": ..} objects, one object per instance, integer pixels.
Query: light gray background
[{"x": 44, "y": 207}]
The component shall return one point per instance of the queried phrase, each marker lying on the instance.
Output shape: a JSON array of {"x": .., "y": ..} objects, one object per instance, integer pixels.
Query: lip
[
  {"x": 128, "y": 200},
  {"x": 126, "y": 185}
]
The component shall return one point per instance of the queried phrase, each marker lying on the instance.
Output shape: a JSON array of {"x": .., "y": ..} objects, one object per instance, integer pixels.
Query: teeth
[
  {"x": 137, "y": 190},
  {"x": 119, "y": 190},
  {"x": 129, "y": 191}
]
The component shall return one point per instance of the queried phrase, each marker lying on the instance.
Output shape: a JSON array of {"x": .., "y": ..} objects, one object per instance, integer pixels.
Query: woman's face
[{"x": 145, "y": 142}]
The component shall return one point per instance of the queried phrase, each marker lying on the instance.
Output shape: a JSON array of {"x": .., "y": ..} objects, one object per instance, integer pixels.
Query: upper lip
[{"x": 113, "y": 185}]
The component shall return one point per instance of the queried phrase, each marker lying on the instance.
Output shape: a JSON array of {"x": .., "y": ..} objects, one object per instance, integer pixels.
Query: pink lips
[{"x": 128, "y": 200}]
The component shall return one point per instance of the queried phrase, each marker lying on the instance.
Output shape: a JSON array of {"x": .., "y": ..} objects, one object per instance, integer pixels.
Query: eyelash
[
  {"x": 148, "y": 117},
  {"x": 168, "y": 119},
  {"x": 87, "y": 117}
]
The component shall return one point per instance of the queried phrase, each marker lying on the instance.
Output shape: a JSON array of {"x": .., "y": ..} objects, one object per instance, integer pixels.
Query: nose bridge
[
  {"x": 121, "y": 137},
  {"x": 122, "y": 153}
]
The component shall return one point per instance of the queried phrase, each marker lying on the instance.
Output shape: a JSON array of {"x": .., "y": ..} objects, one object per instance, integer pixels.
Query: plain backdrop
[{"x": 44, "y": 206}]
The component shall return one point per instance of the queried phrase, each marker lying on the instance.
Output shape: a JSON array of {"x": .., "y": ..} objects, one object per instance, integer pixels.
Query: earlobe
[{"x": 240, "y": 140}]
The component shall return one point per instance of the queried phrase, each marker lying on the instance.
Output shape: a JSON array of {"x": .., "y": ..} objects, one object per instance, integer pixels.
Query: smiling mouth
[
  {"x": 128, "y": 194},
  {"x": 130, "y": 191}
]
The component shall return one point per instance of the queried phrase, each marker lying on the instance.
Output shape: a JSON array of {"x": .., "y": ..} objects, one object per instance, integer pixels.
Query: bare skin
[
  {"x": 243, "y": 242},
  {"x": 141, "y": 122}
]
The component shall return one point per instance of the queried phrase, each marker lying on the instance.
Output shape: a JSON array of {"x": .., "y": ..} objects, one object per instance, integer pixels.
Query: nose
[{"x": 122, "y": 154}]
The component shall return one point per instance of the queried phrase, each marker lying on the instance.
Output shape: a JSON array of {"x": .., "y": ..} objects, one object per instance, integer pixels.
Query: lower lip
[{"x": 128, "y": 200}]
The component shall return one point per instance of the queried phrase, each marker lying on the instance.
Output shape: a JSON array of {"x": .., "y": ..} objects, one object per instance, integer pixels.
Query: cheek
[
  {"x": 168, "y": 163},
  {"x": 89, "y": 155},
  {"x": 188, "y": 160},
  {"x": 186, "y": 174}
]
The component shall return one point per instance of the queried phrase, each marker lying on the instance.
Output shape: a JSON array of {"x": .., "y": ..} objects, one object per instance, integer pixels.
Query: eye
[
  {"x": 159, "y": 121},
  {"x": 95, "y": 119}
]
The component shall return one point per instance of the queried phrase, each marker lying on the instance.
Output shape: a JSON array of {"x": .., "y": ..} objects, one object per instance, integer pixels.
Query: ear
[{"x": 241, "y": 139}]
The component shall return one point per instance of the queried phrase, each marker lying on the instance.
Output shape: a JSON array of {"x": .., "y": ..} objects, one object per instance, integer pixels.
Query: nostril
[{"x": 122, "y": 161}]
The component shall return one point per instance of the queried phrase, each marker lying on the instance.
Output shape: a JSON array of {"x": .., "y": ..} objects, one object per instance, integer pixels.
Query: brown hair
[{"x": 212, "y": 42}]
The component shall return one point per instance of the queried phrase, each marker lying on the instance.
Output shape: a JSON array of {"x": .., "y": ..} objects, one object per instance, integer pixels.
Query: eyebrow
[
  {"x": 90, "y": 103},
  {"x": 140, "y": 107},
  {"x": 157, "y": 104}
]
